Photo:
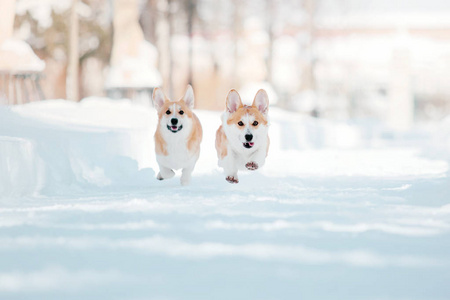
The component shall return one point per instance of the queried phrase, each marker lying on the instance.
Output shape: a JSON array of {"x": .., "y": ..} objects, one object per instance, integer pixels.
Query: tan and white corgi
[
  {"x": 242, "y": 141},
  {"x": 178, "y": 135}
]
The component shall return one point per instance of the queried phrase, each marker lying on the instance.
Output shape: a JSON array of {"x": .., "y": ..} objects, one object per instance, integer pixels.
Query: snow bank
[
  {"x": 58, "y": 144},
  {"x": 21, "y": 168},
  {"x": 17, "y": 55},
  {"x": 332, "y": 196}
]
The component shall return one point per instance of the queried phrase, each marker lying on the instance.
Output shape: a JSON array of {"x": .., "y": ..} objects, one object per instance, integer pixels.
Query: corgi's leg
[
  {"x": 256, "y": 160},
  {"x": 252, "y": 166},
  {"x": 165, "y": 173},
  {"x": 232, "y": 179},
  {"x": 186, "y": 174},
  {"x": 230, "y": 168}
]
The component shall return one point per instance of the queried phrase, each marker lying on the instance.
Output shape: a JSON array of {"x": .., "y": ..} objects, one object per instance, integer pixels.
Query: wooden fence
[{"x": 20, "y": 87}]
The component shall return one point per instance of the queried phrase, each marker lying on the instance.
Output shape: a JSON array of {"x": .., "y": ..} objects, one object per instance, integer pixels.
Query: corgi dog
[
  {"x": 242, "y": 141},
  {"x": 178, "y": 135}
]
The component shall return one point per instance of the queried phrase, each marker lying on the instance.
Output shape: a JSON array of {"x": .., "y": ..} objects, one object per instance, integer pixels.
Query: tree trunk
[
  {"x": 269, "y": 17},
  {"x": 148, "y": 21},
  {"x": 236, "y": 32},
  {"x": 72, "y": 90},
  {"x": 7, "y": 19},
  {"x": 309, "y": 82},
  {"x": 169, "y": 45},
  {"x": 191, "y": 7}
]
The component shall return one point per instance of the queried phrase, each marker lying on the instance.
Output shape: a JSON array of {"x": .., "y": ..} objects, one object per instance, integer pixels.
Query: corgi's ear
[
  {"x": 261, "y": 102},
  {"x": 158, "y": 98},
  {"x": 189, "y": 97},
  {"x": 233, "y": 101}
]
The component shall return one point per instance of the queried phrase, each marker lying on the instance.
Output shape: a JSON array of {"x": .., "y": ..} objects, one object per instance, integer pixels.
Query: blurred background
[{"x": 337, "y": 59}]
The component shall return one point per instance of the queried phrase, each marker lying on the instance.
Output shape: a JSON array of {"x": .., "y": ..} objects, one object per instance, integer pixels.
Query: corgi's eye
[
  {"x": 168, "y": 112},
  {"x": 181, "y": 112},
  {"x": 240, "y": 123},
  {"x": 255, "y": 123}
]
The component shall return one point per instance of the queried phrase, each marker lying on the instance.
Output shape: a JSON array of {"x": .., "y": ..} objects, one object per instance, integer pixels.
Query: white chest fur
[
  {"x": 178, "y": 155},
  {"x": 241, "y": 156}
]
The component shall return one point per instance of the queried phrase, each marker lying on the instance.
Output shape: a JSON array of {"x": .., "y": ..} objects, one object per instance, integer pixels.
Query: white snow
[
  {"x": 341, "y": 210},
  {"x": 138, "y": 72},
  {"x": 17, "y": 56},
  {"x": 20, "y": 167}
]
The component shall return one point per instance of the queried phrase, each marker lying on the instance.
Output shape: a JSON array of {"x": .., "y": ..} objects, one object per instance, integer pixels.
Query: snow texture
[
  {"x": 136, "y": 72},
  {"x": 17, "y": 56},
  {"x": 340, "y": 210}
]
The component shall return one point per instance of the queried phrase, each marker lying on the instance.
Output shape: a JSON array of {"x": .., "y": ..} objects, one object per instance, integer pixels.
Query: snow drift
[
  {"x": 57, "y": 146},
  {"x": 353, "y": 207}
]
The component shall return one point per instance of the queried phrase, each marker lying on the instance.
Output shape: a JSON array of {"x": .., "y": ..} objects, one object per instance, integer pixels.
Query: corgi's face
[
  {"x": 247, "y": 126},
  {"x": 174, "y": 116}
]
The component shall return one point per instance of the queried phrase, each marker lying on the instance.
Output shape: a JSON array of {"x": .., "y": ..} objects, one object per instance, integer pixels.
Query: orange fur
[
  {"x": 221, "y": 143},
  {"x": 243, "y": 127},
  {"x": 178, "y": 135},
  {"x": 160, "y": 144},
  {"x": 195, "y": 138},
  {"x": 243, "y": 110}
]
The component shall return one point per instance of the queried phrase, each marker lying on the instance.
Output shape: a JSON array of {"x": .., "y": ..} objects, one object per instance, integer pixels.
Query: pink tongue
[
  {"x": 251, "y": 144},
  {"x": 174, "y": 127}
]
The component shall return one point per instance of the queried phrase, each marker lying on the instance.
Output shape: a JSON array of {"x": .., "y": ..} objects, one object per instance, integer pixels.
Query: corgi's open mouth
[
  {"x": 175, "y": 128},
  {"x": 248, "y": 145}
]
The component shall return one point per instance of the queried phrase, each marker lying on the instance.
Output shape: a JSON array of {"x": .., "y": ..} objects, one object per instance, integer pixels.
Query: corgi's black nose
[
  {"x": 248, "y": 137},
  {"x": 174, "y": 121}
]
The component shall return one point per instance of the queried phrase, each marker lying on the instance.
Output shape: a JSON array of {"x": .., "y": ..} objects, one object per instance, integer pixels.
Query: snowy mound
[
  {"x": 16, "y": 55},
  {"x": 59, "y": 144},
  {"x": 345, "y": 206}
]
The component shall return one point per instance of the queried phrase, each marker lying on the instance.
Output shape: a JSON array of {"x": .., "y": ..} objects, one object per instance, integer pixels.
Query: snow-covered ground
[{"x": 341, "y": 210}]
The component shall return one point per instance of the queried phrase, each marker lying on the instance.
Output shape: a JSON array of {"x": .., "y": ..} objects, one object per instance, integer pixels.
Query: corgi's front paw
[
  {"x": 252, "y": 166},
  {"x": 185, "y": 180},
  {"x": 165, "y": 174},
  {"x": 232, "y": 179}
]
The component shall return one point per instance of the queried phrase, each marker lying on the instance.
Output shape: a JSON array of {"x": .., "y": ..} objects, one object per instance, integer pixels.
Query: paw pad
[
  {"x": 251, "y": 166},
  {"x": 232, "y": 179}
]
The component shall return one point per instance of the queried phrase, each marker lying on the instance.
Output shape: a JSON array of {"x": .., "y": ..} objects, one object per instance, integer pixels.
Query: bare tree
[
  {"x": 170, "y": 8},
  {"x": 164, "y": 31},
  {"x": 191, "y": 8},
  {"x": 270, "y": 15},
  {"x": 237, "y": 28},
  {"x": 72, "y": 91},
  {"x": 148, "y": 20},
  {"x": 309, "y": 82},
  {"x": 310, "y": 8}
]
